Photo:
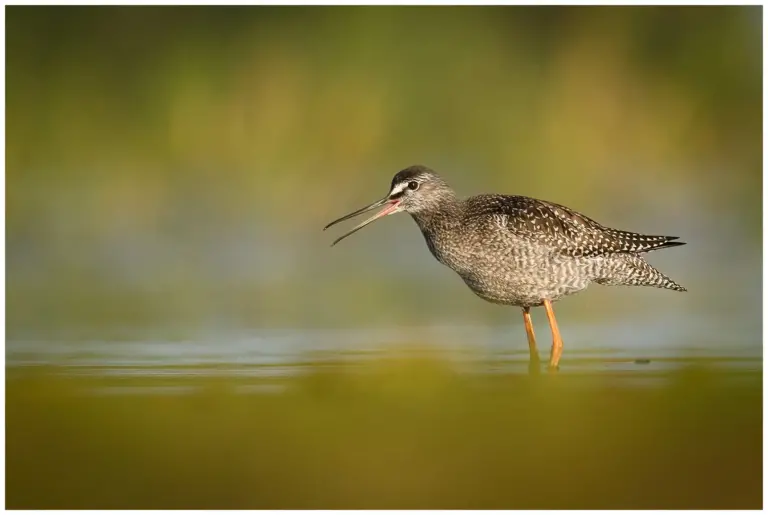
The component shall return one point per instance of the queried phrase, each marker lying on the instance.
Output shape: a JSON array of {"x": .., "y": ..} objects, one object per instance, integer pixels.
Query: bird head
[{"x": 413, "y": 190}]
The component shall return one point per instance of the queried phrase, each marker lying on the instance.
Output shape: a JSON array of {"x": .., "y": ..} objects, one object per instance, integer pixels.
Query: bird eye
[{"x": 413, "y": 185}]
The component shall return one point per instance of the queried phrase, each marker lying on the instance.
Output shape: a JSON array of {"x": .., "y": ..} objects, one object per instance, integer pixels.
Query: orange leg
[
  {"x": 534, "y": 353},
  {"x": 557, "y": 340}
]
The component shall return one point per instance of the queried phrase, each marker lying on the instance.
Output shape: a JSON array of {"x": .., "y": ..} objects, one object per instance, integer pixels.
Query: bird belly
[
  {"x": 527, "y": 284},
  {"x": 512, "y": 275}
]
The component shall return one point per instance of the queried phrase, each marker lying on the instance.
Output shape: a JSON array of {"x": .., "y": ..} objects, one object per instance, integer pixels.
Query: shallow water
[
  {"x": 609, "y": 350},
  {"x": 197, "y": 416}
]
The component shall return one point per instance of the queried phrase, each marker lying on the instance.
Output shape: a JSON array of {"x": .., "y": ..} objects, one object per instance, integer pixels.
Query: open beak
[{"x": 390, "y": 207}]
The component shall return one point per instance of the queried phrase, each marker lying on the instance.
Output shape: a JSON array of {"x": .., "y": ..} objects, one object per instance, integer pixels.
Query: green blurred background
[
  {"x": 178, "y": 164},
  {"x": 168, "y": 174}
]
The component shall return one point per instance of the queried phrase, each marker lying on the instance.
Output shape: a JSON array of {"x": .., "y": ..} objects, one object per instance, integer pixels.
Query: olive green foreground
[{"x": 407, "y": 433}]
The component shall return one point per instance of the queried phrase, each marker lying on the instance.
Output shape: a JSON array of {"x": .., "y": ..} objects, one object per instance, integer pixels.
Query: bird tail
[
  {"x": 666, "y": 243},
  {"x": 641, "y": 243},
  {"x": 633, "y": 270},
  {"x": 667, "y": 283},
  {"x": 646, "y": 275}
]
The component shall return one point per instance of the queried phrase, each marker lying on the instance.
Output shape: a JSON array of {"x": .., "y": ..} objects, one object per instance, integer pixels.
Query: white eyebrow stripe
[{"x": 398, "y": 188}]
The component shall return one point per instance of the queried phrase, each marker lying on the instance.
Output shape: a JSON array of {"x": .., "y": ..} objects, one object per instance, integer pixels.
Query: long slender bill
[
  {"x": 391, "y": 206},
  {"x": 376, "y": 204}
]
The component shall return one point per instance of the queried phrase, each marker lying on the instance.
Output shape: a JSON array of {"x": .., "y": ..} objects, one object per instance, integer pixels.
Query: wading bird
[{"x": 517, "y": 250}]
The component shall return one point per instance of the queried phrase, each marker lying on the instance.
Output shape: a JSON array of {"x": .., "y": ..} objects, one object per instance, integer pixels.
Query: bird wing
[{"x": 566, "y": 230}]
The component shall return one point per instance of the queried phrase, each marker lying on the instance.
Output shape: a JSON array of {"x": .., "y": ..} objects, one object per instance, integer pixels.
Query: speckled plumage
[{"x": 517, "y": 250}]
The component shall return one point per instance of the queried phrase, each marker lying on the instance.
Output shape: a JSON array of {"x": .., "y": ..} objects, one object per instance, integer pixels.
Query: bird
[{"x": 520, "y": 251}]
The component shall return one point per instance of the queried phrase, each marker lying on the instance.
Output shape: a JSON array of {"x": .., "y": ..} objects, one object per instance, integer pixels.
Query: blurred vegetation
[
  {"x": 392, "y": 433},
  {"x": 143, "y": 103},
  {"x": 160, "y": 158}
]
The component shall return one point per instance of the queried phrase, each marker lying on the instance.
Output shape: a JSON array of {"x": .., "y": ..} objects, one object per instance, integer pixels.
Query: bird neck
[{"x": 444, "y": 213}]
